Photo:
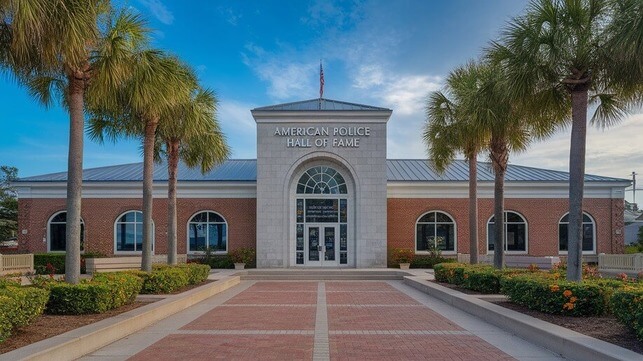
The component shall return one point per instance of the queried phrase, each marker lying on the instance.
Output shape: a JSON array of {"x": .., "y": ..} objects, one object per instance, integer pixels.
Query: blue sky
[{"x": 254, "y": 53}]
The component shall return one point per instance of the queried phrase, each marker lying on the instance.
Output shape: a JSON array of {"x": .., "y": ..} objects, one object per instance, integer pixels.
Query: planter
[
  {"x": 405, "y": 265},
  {"x": 239, "y": 266}
]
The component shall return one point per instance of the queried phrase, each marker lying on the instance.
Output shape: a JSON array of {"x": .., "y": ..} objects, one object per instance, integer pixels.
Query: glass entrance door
[{"x": 321, "y": 244}]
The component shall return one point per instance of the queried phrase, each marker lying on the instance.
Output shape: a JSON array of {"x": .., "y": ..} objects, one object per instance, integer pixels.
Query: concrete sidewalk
[{"x": 322, "y": 320}]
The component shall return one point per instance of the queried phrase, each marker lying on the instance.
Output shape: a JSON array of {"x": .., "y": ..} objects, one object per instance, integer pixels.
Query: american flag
[{"x": 321, "y": 80}]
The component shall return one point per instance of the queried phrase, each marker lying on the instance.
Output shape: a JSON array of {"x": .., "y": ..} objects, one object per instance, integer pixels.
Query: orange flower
[
  {"x": 465, "y": 276},
  {"x": 573, "y": 299},
  {"x": 556, "y": 275},
  {"x": 554, "y": 288},
  {"x": 568, "y": 306},
  {"x": 567, "y": 293}
]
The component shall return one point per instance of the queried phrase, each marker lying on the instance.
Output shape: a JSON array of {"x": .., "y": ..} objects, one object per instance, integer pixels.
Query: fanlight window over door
[{"x": 321, "y": 180}]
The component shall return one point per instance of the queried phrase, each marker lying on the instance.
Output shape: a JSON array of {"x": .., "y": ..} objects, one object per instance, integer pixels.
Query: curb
[
  {"x": 84, "y": 340},
  {"x": 569, "y": 344}
]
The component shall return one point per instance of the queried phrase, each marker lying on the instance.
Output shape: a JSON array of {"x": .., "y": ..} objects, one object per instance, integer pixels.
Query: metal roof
[
  {"x": 245, "y": 170},
  {"x": 421, "y": 170},
  {"x": 320, "y": 104},
  {"x": 228, "y": 171}
]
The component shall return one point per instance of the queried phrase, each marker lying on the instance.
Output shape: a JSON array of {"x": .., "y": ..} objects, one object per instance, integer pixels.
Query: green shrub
[
  {"x": 219, "y": 261},
  {"x": 627, "y": 306},
  {"x": 164, "y": 279},
  {"x": 102, "y": 293},
  {"x": 424, "y": 261},
  {"x": 19, "y": 306},
  {"x": 7, "y": 305},
  {"x": 57, "y": 262},
  {"x": 449, "y": 272},
  {"x": 167, "y": 279},
  {"x": 197, "y": 273},
  {"x": 482, "y": 279},
  {"x": 556, "y": 296}
]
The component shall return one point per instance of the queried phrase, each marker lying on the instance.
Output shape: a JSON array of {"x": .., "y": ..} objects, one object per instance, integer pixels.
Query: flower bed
[{"x": 549, "y": 292}]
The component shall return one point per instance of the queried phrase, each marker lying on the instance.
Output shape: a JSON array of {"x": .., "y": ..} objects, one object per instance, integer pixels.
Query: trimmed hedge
[
  {"x": 422, "y": 261},
  {"x": 223, "y": 261},
  {"x": 557, "y": 296},
  {"x": 19, "y": 306},
  {"x": 57, "y": 261},
  {"x": 102, "y": 293},
  {"x": 627, "y": 306},
  {"x": 168, "y": 279},
  {"x": 480, "y": 278}
]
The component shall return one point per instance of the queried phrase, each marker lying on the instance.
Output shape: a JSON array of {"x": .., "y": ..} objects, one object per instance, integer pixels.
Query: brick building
[{"x": 321, "y": 193}]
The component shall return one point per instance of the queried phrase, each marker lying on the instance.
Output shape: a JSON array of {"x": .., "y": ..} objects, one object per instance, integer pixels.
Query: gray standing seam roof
[
  {"x": 320, "y": 104},
  {"x": 245, "y": 170}
]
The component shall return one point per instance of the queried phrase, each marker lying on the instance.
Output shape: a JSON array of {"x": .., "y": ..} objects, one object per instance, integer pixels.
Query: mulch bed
[
  {"x": 606, "y": 328},
  {"x": 47, "y": 326}
]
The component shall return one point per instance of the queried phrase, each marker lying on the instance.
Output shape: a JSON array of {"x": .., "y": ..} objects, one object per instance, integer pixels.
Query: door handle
[{"x": 320, "y": 248}]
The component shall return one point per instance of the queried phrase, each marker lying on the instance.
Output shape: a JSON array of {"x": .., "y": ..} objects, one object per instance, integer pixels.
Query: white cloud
[
  {"x": 231, "y": 15},
  {"x": 239, "y": 127},
  {"x": 286, "y": 79},
  {"x": 368, "y": 76},
  {"x": 406, "y": 94},
  {"x": 159, "y": 10},
  {"x": 614, "y": 152}
]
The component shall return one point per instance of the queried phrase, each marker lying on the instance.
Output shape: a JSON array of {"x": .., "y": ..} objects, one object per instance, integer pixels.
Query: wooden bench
[
  {"x": 526, "y": 261},
  {"x": 93, "y": 265},
  {"x": 114, "y": 264}
]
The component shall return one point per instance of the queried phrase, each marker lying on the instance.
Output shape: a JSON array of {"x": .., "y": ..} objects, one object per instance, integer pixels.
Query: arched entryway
[{"x": 322, "y": 218}]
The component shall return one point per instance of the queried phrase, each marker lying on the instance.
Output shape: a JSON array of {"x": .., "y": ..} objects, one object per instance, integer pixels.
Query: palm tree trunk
[
  {"x": 500, "y": 158},
  {"x": 172, "y": 170},
  {"x": 473, "y": 210},
  {"x": 576, "y": 184},
  {"x": 148, "y": 183},
  {"x": 74, "y": 178}
]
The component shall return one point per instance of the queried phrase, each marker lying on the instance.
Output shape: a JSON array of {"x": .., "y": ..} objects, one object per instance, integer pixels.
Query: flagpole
[{"x": 321, "y": 83}]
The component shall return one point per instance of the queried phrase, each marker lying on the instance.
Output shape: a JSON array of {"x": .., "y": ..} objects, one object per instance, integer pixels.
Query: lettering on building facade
[{"x": 322, "y": 137}]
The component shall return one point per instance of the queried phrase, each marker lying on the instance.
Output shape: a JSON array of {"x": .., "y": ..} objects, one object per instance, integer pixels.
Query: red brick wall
[
  {"x": 542, "y": 217},
  {"x": 99, "y": 216}
]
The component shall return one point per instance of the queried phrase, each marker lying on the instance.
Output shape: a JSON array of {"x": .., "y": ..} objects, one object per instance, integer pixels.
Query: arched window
[
  {"x": 435, "y": 230},
  {"x": 589, "y": 234},
  {"x": 57, "y": 232},
  {"x": 207, "y": 231},
  {"x": 321, "y": 180},
  {"x": 128, "y": 232},
  {"x": 515, "y": 232}
]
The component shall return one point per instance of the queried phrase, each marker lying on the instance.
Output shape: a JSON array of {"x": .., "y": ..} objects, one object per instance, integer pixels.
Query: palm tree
[
  {"x": 158, "y": 83},
  {"x": 449, "y": 130},
  {"x": 571, "y": 54},
  {"x": 195, "y": 137},
  {"x": 69, "y": 51},
  {"x": 511, "y": 127}
]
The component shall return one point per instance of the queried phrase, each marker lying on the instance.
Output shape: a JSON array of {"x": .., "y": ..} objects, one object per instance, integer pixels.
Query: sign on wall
[{"x": 322, "y": 137}]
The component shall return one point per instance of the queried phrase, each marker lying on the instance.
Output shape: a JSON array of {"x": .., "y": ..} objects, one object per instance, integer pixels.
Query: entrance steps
[{"x": 320, "y": 274}]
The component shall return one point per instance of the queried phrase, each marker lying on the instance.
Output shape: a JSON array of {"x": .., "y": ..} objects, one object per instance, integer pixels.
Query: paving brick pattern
[{"x": 334, "y": 320}]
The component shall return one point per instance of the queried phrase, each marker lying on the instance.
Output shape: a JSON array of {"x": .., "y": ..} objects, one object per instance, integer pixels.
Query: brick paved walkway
[{"x": 310, "y": 320}]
